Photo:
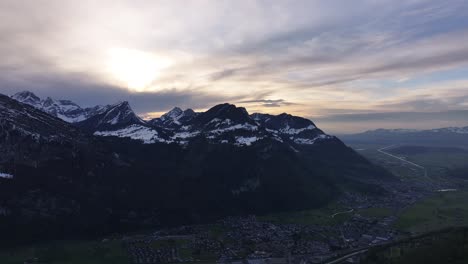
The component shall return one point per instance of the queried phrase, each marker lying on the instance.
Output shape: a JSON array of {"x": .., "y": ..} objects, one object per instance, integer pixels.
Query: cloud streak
[{"x": 268, "y": 102}]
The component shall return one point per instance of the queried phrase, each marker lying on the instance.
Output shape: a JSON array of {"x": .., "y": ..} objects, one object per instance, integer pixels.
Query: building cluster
[
  {"x": 240, "y": 239},
  {"x": 141, "y": 252},
  {"x": 361, "y": 231}
]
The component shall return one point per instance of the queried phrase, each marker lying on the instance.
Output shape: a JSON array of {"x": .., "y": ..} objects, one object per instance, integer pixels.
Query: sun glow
[{"x": 135, "y": 69}]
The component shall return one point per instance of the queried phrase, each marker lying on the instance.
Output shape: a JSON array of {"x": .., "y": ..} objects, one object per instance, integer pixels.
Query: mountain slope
[
  {"x": 28, "y": 121},
  {"x": 68, "y": 182},
  {"x": 119, "y": 120},
  {"x": 291, "y": 128},
  {"x": 116, "y": 116}
]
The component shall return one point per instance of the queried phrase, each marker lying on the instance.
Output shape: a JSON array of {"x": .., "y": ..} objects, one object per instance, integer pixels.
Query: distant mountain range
[
  {"x": 106, "y": 170},
  {"x": 63, "y": 109},
  {"x": 448, "y": 136}
]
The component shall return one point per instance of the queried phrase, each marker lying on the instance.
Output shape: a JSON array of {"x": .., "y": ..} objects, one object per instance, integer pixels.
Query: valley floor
[{"x": 426, "y": 199}]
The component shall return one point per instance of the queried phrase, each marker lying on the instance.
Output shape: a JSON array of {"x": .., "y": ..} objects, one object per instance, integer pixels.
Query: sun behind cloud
[{"x": 135, "y": 69}]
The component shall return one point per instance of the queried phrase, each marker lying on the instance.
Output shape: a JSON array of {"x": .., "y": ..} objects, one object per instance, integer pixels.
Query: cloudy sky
[{"x": 348, "y": 65}]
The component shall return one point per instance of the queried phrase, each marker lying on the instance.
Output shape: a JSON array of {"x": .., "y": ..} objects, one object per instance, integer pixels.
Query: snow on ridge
[
  {"x": 403, "y": 130},
  {"x": 308, "y": 141},
  {"x": 244, "y": 126},
  {"x": 75, "y": 119},
  {"x": 294, "y": 131},
  {"x": 6, "y": 175},
  {"x": 214, "y": 120},
  {"x": 246, "y": 141},
  {"x": 456, "y": 130},
  {"x": 218, "y": 122},
  {"x": 176, "y": 118},
  {"x": 145, "y": 134},
  {"x": 272, "y": 130},
  {"x": 61, "y": 106},
  {"x": 183, "y": 135},
  {"x": 114, "y": 120}
]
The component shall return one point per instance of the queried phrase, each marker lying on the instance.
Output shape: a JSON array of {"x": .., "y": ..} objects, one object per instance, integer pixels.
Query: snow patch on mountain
[
  {"x": 71, "y": 119},
  {"x": 456, "y": 130},
  {"x": 244, "y": 126},
  {"x": 294, "y": 131},
  {"x": 311, "y": 141},
  {"x": 185, "y": 135},
  {"x": 219, "y": 122},
  {"x": 6, "y": 175},
  {"x": 145, "y": 134},
  {"x": 114, "y": 120},
  {"x": 246, "y": 141}
]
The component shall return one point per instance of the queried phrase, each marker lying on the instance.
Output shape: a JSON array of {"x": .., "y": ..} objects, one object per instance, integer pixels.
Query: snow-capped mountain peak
[
  {"x": 173, "y": 114},
  {"x": 27, "y": 98},
  {"x": 112, "y": 117},
  {"x": 29, "y": 121},
  {"x": 237, "y": 115},
  {"x": 121, "y": 113},
  {"x": 297, "y": 129},
  {"x": 175, "y": 118},
  {"x": 63, "y": 109}
]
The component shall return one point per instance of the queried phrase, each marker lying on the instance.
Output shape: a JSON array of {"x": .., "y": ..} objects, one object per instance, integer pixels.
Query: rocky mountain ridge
[
  {"x": 223, "y": 123},
  {"x": 63, "y": 109}
]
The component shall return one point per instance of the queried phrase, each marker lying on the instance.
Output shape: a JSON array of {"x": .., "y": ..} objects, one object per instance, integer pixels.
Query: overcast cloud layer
[{"x": 320, "y": 59}]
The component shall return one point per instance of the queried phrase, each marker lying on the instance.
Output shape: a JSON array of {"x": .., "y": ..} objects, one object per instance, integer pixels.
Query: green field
[
  {"x": 400, "y": 169},
  {"x": 439, "y": 164},
  {"x": 68, "y": 252},
  {"x": 377, "y": 212},
  {"x": 437, "y": 161},
  {"x": 448, "y": 246},
  {"x": 441, "y": 210},
  {"x": 444, "y": 160},
  {"x": 321, "y": 216}
]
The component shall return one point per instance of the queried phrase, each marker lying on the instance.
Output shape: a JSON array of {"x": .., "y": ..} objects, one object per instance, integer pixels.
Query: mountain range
[
  {"x": 448, "y": 136},
  {"x": 63, "y": 109},
  {"x": 74, "y": 170},
  {"x": 224, "y": 123}
]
